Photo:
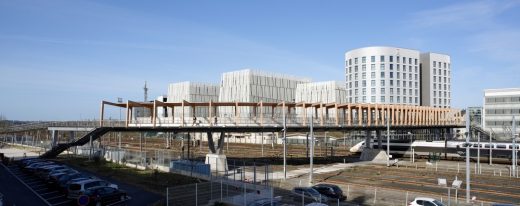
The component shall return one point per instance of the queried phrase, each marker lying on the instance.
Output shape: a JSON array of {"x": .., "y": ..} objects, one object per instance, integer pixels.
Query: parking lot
[{"x": 52, "y": 195}]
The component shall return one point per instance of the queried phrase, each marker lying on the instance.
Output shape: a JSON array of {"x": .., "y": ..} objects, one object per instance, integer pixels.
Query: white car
[{"x": 425, "y": 201}]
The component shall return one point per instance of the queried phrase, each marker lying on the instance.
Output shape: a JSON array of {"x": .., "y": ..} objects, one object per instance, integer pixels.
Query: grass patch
[{"x": 150, "y": 180}]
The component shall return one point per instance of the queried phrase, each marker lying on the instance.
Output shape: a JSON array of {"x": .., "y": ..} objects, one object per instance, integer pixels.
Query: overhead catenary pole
[
  {"x": 468, "y": 173},
  {"x": 490, "y": 148},
  {"x": 312, "y": 149},
  {"x": 387, "y": 140},
  {"x": 513, "y": 131},
  {"x": 478, "y": 153},
  {"x": 284, "y": 143}
]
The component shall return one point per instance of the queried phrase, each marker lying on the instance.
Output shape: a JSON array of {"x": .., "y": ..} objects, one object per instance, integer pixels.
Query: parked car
[
  {"x": 333, "y": 192},
  {"x": 266, "y": 202},
  {"x": 32, "y": 166},
  {"x": 42, "y": 172},
  {"x": 59, "y": 172},
  {"x": 63, "y": 182},
  {"x": 104, "y": 195},
  {"x": 309, "y": 194},
  {"x": 55, "y": 176},
  {"x": 78, "y": 188},
  {"x": 418, "y": 201}
]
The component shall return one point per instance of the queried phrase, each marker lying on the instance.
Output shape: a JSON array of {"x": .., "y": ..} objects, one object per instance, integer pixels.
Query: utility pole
[
  {"x": 312, "y": 150},
  {"x": 478, "y": 153},
  {"x": 468, "y": 173}
]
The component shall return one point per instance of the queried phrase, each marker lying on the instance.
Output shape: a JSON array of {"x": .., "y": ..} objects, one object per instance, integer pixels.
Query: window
[
  {"x": 355, "y": 76},
  {"x": 398, "y": 83},
  {"x": 404, "y": 91},
  {"x": 373, "y": 83},
  {"x": 364, "y": 83},
  {"x": 434, "y": 71},
  {"x": 372, "y": 67},
  {"x": 364, "y": 99},
  {"x": 364, "y": 75},
  {"x": 373, "y": 75},
  {"x": 363, "y": 67},
  {"x": 373, "y": 90},
  {"x": 398, "y": 99},
  {"x": 391, "y": 66},
  {"x": 382, "y": 74},
  {"x": 363, "y": 60},
  {"x": 356, "y": 100},
  {"x": 356, "y": 84},
  {"x": 382, "y": 90},
  {"x": 391, "y": 75},
  {"x": 398, "y": 91},
  {"x": 373, "y": 99},
  {"x": 356, "y": 92},
  {"x": 373, "y": 58},
  {"x": 391, "y": 90},
  {"x": 434, "y": 63},
  {"x": 416, "y": 62},
  {"x": 409, "y": 60},
  {"x": 391, "y": 59},
  {"x": 355, "y": 68},
  {"x": 397, "y": 67},
  {"x": 439, "y": 64},
  {"x": 382, "y": 67},
  {"x": 382, "y": 83},
  {"x": 404, "y": 99},
  {"x": 355, "y": 61},
  {"x": 383, "y": 99},
  {"x": 398, "y": 75},
  {"x": 391, "y": 83},
  {"x": 350, "y": 70},
  {"x": 391, "y": 99},
  {"x": 404, "y": 60},
  {"x": 404, "y": 75},
  {"x": 397, "y": 58},
  {"x": 382, "y": 58},
  {"x": 364, "y": 91}
]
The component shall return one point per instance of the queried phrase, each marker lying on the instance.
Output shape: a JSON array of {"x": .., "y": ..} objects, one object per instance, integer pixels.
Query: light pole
[
  {"x": 284, "y": 145},
  {"x": 119, "y": 100},
  {"x": 455, "y": 185}
]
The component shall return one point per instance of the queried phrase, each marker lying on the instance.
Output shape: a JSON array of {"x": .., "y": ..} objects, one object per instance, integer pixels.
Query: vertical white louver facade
[
  {"x": 192, "y": 92},
  {"x": 321, "y": 92},
  {"x": 255, "y": 86}
]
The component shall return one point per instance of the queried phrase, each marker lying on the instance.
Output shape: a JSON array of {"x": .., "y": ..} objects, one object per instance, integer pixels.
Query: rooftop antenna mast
[{"x": 145, "y": 92}]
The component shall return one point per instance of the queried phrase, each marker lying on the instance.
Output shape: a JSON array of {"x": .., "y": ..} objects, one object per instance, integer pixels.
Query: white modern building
[
  {"x": 500, "y": 105},
  {"x": 255, "y": 86},
  {"x": 383, "y": 75},
  {"x": 392, "y": 75},
  {"x": 320, "y": 92},
  {"x": 435, "y": 80},
  {"x": 192, "y": 92}
]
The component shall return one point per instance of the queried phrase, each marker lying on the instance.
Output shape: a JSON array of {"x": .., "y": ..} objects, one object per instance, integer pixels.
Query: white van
[{"x": 77, "y": 189}]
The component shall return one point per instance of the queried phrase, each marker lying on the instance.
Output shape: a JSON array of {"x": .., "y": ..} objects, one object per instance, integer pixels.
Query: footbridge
[{"x": 227, "y": 117}]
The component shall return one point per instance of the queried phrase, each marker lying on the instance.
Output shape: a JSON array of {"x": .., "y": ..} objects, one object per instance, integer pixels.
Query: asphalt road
[{"x": 15, "y": 193}]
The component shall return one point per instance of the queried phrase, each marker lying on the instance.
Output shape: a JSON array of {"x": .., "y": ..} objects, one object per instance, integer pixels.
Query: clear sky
[{"x": 60, "y": 58}]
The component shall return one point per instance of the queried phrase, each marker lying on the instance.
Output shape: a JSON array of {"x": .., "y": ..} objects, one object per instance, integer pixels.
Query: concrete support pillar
[
  {"x": 368, "y": 139},
  {"x": 379, "y": 140},
  {"x": 54, "y": 136}
]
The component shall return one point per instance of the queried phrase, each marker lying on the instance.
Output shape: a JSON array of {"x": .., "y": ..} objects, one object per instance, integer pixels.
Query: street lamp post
[
  {"x": 119, "y": 100},
  {"x": 312, "y": 150}
]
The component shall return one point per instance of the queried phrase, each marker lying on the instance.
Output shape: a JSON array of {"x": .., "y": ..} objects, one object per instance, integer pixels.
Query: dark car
[
  {"x": 104, "y": 195},
  {"x": 331, "y": 191}
]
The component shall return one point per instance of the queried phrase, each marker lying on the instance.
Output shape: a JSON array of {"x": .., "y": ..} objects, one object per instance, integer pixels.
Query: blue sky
[{"x": 60, "y": 58}]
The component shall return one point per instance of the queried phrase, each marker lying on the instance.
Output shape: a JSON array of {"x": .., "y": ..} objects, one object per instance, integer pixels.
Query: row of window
[
  {"x": 390, "y": 75},
  {"x": 502, "y": 111},
  {"x": 383, "y": 99},
  {"x": 439, "y": 65},
  {"x": 441, "y": 93},
  {"x": 383, "y": 91},
  {"x": 501, "y": 123},
  {"x": 446, "y": 72},
  {"x": 382, "y": 83},
  {"x": 446, "y": 101},
  {"x": 382, "y": 68},
  {"x": 513, "y": 99},
  {"x": 382, "y": 58},
  {"x": 439, "y": 79},
  {"x": 440, "y": 86}
]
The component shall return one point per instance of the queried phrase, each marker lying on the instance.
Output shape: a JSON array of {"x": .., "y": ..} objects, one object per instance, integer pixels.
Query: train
[{"x": 453, "y": 149}]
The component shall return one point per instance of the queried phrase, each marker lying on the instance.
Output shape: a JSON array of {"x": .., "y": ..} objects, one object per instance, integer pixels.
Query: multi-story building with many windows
[
  {"x": 383, "y": 75},
  {"x": 435, "y": 80},
  {"x": 500, "y": 105},
  {"x": 392, "y": 75}
]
